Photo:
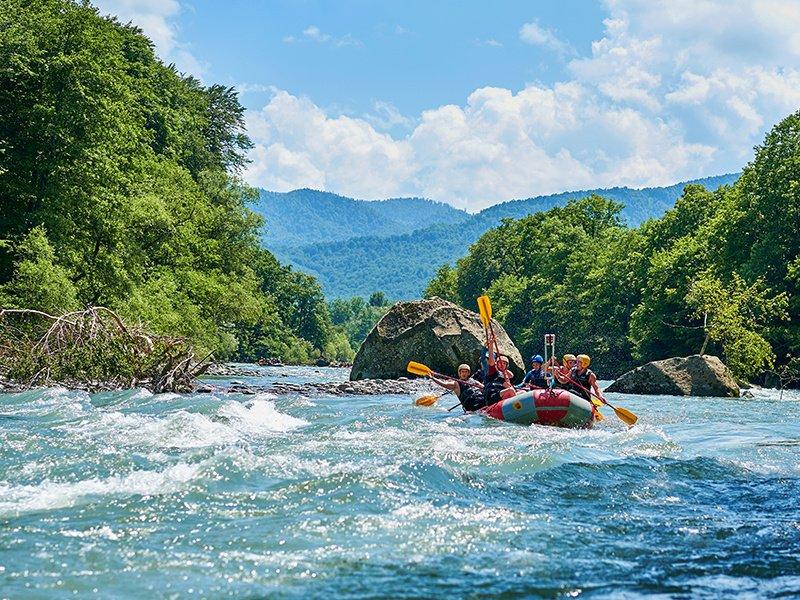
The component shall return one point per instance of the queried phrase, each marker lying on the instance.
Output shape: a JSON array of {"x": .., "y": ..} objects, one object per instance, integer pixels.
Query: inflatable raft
[{"x": 544, "y": 407}]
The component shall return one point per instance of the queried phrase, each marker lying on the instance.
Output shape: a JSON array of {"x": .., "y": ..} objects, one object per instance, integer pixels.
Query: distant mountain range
[{"x": 356, "y": 247}]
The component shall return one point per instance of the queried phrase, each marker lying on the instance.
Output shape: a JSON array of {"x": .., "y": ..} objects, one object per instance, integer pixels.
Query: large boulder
[
  {"x": 694, "y": 375},
  {"x": 434, "y": 332}
]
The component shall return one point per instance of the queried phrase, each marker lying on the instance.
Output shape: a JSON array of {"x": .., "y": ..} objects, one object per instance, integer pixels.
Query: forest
[
  {"x": 716, "y": 274},
  {"x": 120, "y": 187}
]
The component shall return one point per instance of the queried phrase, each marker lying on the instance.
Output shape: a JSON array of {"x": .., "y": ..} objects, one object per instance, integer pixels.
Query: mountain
[
  {"x": 307, "y": 216},
  {"x": 348, "y": 261}
]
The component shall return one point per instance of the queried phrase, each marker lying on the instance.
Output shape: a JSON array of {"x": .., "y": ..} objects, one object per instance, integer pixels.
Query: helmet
[
  {"x": 502, "y": 358},
  {"x": 463, "y": 366},
  {"x": 537, "y": 358},
  {"x": 584, "y": 360},
  {"x": 567, "y": 358}
]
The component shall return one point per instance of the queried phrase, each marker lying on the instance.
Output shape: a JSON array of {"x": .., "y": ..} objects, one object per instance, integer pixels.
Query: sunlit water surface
[{"x": 132, "y": 495}]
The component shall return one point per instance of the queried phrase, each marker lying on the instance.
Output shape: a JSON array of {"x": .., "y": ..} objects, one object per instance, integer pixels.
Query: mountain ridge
[{"x": 401, "y": 263}]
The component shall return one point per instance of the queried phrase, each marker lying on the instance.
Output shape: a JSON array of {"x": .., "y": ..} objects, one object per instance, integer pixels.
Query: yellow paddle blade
[
  {"x": 598, "y": 416},
  {"x": 485, "y": 308},
  {"x": 426, "y": 400},
  {"x": 596, "y": 402},
  {"x": 418, "y": 369},
  {"x": 626, "y": 415}
]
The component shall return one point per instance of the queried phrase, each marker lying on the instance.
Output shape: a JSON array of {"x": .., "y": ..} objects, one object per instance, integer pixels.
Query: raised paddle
[
  {"x": 485, "y": 310},
  {"x": 623, "y": 413}
]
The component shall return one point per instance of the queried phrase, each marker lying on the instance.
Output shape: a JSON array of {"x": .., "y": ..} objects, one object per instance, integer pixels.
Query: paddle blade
[
  {"x": 598, "y": 416},
  {"x": 627, "y": 416},
  {"x": 418, "y": 369},
  {"x": 426, "y": 400},
  {"x": 485, "y": 308}
]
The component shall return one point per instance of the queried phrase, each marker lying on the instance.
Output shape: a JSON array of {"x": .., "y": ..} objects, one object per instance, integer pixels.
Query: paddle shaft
[{"x": 623, "y": 414}]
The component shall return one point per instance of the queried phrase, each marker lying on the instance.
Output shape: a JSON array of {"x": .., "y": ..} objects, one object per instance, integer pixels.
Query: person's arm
[
  {"x": 561, "y": 374},
  {"x": 596, "y": 388},
  {"x": 445, "y": 383},
  {"x": 490, "y": 358}
]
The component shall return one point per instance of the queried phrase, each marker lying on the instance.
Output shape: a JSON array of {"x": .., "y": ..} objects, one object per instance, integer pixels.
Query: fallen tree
[{"x": 92, "y": 349}]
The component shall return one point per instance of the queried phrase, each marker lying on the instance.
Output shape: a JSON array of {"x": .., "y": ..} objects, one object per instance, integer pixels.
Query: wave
[{"x": 50, "y": 495}]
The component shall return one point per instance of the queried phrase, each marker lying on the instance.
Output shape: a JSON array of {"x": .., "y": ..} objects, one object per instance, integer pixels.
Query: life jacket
[
  {"x": 470, "y": 396},
  {"x": 583, "y": 380},
  {"x": 493, "y": 384},
  {"x": 536, "y": 378}
]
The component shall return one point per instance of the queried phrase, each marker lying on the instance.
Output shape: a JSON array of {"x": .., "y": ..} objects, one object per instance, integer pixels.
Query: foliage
[
  {"x": 119, "y": 187},
  {"x": 733, "y": 314},
  {"x": 398, "y": 245},
  {"x": 443, "y": 284},
  {"x": 355, "y": 318},
  {"x": 37, "y": 280},
  {"x": 730, "y": 257}
]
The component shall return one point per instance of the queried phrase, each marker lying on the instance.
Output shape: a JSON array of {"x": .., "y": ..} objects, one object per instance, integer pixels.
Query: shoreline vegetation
[
  {"x": 120, "y": 187},
  {"x": 717, "y": 274}
]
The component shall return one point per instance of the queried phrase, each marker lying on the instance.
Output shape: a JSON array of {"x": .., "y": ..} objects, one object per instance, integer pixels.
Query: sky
[{"x": 473, "y": 103}]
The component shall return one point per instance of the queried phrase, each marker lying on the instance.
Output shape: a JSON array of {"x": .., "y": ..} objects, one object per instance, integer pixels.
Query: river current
[{"x": 135, "y": 495}]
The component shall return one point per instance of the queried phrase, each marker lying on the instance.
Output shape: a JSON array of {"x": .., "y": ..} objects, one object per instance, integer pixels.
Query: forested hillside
[
  {"x": 119, "y": 187},
  {"x": 308, "y": 216},
  {"x": 719, "y": 272},
  {"x": 401, "y": 265}
]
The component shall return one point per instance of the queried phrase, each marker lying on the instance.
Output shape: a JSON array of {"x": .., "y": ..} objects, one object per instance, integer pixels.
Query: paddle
[
  {"x": 485, "y": 309},
  {"x": 429, "y": 399},
  {"x": 421, "y": 370},
  {"x": 623, "y": 413}
]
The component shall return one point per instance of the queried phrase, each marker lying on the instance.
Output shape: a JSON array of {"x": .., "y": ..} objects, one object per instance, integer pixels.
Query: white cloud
[
  {"x": 386, "y": 116},
  {"x": 157, "y": 19},
  {"x": 535, "y": 34},
  {"x": 312, "y": 33},
  {"x": 670, "y": 91}
]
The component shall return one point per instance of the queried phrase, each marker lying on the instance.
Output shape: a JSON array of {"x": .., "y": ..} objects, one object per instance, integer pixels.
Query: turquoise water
[{"x": 131, "y": 495}]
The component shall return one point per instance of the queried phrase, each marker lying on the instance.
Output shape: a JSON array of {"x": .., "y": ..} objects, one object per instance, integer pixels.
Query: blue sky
[{"x": 474, "y": 102}]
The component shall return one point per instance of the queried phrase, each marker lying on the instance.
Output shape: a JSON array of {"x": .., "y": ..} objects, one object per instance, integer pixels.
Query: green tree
[
  {"x": 734, "y": 315},
  {"x": 38, "y": 282},
  {"x": 443, "y": 285}
]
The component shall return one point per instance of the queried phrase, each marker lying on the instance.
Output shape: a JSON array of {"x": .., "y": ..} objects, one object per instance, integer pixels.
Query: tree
[
  {"x": 443, "y": 284},
  {"x": 734, "y": 315},
  {"x": 38, "y": 282}
]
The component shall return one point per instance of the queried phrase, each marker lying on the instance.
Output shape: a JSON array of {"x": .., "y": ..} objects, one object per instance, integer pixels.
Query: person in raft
[
  {"x": 562, "y": 373},
  {"x": 535, "y": 378},
  {"x": 584, "y": 379},
  {"x": 497, "y": 381},
  {"x": 468, "y": 391}
]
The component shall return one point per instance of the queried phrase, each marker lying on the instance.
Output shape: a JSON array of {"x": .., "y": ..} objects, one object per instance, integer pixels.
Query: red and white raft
[{"x": 544, "y": 407}]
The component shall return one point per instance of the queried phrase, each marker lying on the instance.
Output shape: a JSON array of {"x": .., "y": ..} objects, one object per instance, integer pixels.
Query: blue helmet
[{"x": 537, "y": 358}]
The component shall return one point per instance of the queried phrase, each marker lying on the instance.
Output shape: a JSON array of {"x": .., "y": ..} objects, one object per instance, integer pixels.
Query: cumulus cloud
[
  {"x": 670, "y": 91},
  {"x": 157, "y": 19}
]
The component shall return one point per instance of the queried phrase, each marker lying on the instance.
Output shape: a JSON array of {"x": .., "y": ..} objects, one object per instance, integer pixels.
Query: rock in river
[
  {"x": 694, "y": 375},
  {"x": 434, "y": 332}
]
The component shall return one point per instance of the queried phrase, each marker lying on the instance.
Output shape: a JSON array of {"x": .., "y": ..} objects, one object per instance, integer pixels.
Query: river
[{"x": 135, "y": 495}]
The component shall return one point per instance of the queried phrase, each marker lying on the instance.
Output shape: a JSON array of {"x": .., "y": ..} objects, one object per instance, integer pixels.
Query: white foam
[
  {"x": 181, "y": 429},
  {"x": 51, "y": 495},
  {"x": 259, "y": 416}
]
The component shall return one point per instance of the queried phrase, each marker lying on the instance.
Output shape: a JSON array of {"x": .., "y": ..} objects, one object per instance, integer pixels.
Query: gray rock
[
  {"x": 694, "y": 375},
  {"x": 434, "y": 332}
]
